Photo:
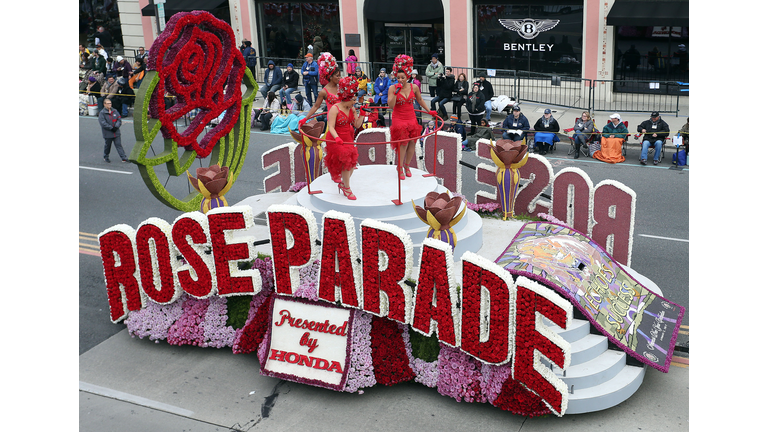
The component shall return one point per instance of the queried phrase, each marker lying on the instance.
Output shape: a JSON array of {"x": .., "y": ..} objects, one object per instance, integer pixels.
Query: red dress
[
  {"x": 404, "y": 124},
  {"x": 342, "y": 157},
  {"x": 330, "y": 99}
]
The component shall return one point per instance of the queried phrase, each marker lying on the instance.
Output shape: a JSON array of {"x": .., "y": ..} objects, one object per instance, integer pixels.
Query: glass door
[{"x": 415, "y": 40}]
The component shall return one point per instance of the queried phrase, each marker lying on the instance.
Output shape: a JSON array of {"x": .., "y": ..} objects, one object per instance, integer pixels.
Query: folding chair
[
  {"x": 653, "y": 145},
  {"x": 590, "y": 138}
]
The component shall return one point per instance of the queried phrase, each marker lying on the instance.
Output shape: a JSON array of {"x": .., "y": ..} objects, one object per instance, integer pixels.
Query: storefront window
[
  {"x": 529, "y": 37},
  {"x": 286, "y": 29},
  {"x": 651, "y": 53}
]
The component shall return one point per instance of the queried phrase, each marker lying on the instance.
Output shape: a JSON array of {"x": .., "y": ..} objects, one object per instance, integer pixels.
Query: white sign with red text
[{"x": 309, "y": 342}]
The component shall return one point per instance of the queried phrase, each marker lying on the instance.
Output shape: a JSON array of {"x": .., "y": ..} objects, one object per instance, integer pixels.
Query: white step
[
  {"x": 588, "y": 348},
  {"x": 594, "y": 372},
  {"x": 608, "y": 394},
  {"x": 577, "y": 330}
]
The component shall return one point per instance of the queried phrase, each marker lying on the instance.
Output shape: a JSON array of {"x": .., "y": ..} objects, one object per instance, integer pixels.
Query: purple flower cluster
[
  {"x": 550, "y": 218},
  {"x": 459, "y": 375},
  {"x": 360, "y": 373},
  {"x": 216, "y": 332},
  {"x": 427, "y": 373},
  {"x": 308, "y": 278},
  {"x": 297, "y": 186},
  {"x": 265, "y": 267},
  {"x": 483, "y": 208},
  {"x": 188, "y": 329},
  {"x": 493, "y": 377},
  {"x": 154, "y": 320}
]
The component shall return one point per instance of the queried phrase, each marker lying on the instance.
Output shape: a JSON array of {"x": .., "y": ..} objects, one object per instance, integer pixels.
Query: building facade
[{"x": 590, "y": 39}]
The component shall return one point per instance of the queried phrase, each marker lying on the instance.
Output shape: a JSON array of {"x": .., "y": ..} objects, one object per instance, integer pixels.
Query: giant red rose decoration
[{"x": 198, "y": 62}]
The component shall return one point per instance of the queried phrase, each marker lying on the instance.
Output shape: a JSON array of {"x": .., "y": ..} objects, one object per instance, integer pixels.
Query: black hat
[{"x": 655, "y": 114}]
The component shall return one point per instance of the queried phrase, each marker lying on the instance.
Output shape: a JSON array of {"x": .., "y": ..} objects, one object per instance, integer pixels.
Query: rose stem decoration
[
  {"x": 508, "y": 156},
  {"x": 441, "y": 215},
  {"x": 313, "y": 151},
  {"x": 213, "y": 182},
  {"x": 196, "y": 63}
]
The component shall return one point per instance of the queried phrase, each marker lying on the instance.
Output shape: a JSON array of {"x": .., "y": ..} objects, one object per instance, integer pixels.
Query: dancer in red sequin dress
[
  {"x": 404, "y": 124},
  {"x": 341, "y": 152},
  {"x": 329, "y": 73}
]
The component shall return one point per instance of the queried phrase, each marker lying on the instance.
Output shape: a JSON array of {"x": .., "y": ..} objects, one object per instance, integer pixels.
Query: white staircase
[{"x": 597, "y": 378}]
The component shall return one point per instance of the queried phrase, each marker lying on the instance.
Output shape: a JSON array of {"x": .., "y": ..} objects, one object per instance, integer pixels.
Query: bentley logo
[{"x": 529, "y": 28}]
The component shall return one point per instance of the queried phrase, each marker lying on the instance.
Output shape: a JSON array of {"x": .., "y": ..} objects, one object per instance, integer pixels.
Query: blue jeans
[
  {"x": 513, "y": 137},
  {"x": 657, "y": 154},
  {"x": 580, "y": 138},
  {"x": 488, "y": 109},
  {"x": 441, "y": 103},
  {"x": 266, "y": 89},
  {"x": 309, "y": 89},
  {"x": 285, "y": 95}
]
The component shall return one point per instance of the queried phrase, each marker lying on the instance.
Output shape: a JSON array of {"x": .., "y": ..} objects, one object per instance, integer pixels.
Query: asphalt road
[{"x": 115, "y": 193}]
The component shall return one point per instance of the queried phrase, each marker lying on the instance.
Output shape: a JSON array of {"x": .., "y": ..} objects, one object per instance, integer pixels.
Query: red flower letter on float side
[
  {"x": 340, "y": 246},
  {"x": 387, "y": 263},
  {"x": 289, "y": 255},
  {"x": 191, "y": 236},
  {"x": 436, "y": 281},
  {"x": 227, "y": 253},
  {"x": 157, "y": 261},
  {"x": 120, "y": 271},
  {"x": 533, "y": 335},
  {"x": 488, "y": 310}
]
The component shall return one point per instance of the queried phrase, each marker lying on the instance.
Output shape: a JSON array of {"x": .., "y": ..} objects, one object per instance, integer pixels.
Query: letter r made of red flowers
[{"x": 198, "y": 63}]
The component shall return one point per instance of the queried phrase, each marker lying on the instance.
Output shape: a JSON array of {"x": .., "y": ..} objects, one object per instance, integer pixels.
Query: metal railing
[{"x": 546, "y": 89}]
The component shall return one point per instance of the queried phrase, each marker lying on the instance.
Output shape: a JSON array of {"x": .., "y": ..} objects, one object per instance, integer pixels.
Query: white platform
[{"x": 375, "y": 187}]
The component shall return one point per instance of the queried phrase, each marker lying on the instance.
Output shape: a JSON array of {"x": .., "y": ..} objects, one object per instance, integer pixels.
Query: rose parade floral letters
[{"x": 488, "y": 328}]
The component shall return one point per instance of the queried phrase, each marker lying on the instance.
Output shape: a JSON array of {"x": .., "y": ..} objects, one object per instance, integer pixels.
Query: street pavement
[{"x": 127, "y": 384}]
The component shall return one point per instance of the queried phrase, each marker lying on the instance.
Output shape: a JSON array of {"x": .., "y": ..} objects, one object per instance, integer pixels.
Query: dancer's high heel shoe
[
  {"x": 347, "y": 192},
  {"x": 407, "y": 171},
  {"x": 400, "y": 173},
  {"x": 336, "y": 178}
]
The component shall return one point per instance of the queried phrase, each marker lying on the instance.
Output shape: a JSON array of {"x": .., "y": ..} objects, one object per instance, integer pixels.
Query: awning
[
  {"x": 403, "y": 11},
  {"x": 649, "y": 13},
  {"x": 173, "y": 6}
]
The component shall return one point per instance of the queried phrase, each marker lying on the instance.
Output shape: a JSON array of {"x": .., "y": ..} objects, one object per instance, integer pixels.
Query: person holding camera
[
  {"x": 445, "y": 83},
  {"x": 309, "y": 74}
]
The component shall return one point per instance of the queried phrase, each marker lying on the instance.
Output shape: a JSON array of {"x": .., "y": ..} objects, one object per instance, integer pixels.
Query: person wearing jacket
[
  {"x": 487, "y": 89},
  {"x": 445, "y": 85},
  {"x": 455, "y": 127},
  {"x": 516, "y": 125},
  {"x": 582, "y": 130},
  {"x": 656, "y": 131},
  {"x": 290, "y": 83},
  {"x": 110, "y": 122},
  {"x": 309, "y": 72},
  {"x": 461, "y": 89},
  {"x": 546, "y": 129},
  {"x": 475, "y": 106},
  {"x": 108, "y": 91},
  {"x": 483, "y": 132},
  {"x": 434, "y": 70},
  {"x": 613, "y": 136},
  {"x": 380, "y": 93},
  {"x": 273, "y": 79}
]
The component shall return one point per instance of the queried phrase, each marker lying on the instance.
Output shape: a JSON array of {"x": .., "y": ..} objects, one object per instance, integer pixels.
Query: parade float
[{"x": 346, "y": 295}]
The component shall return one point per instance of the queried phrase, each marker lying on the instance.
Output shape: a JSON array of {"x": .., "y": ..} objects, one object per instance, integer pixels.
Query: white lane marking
[
  {"x": 138, "y": 400},
  {"x": 106, "y": 170},
  {"x": 663, "y": 238}
]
